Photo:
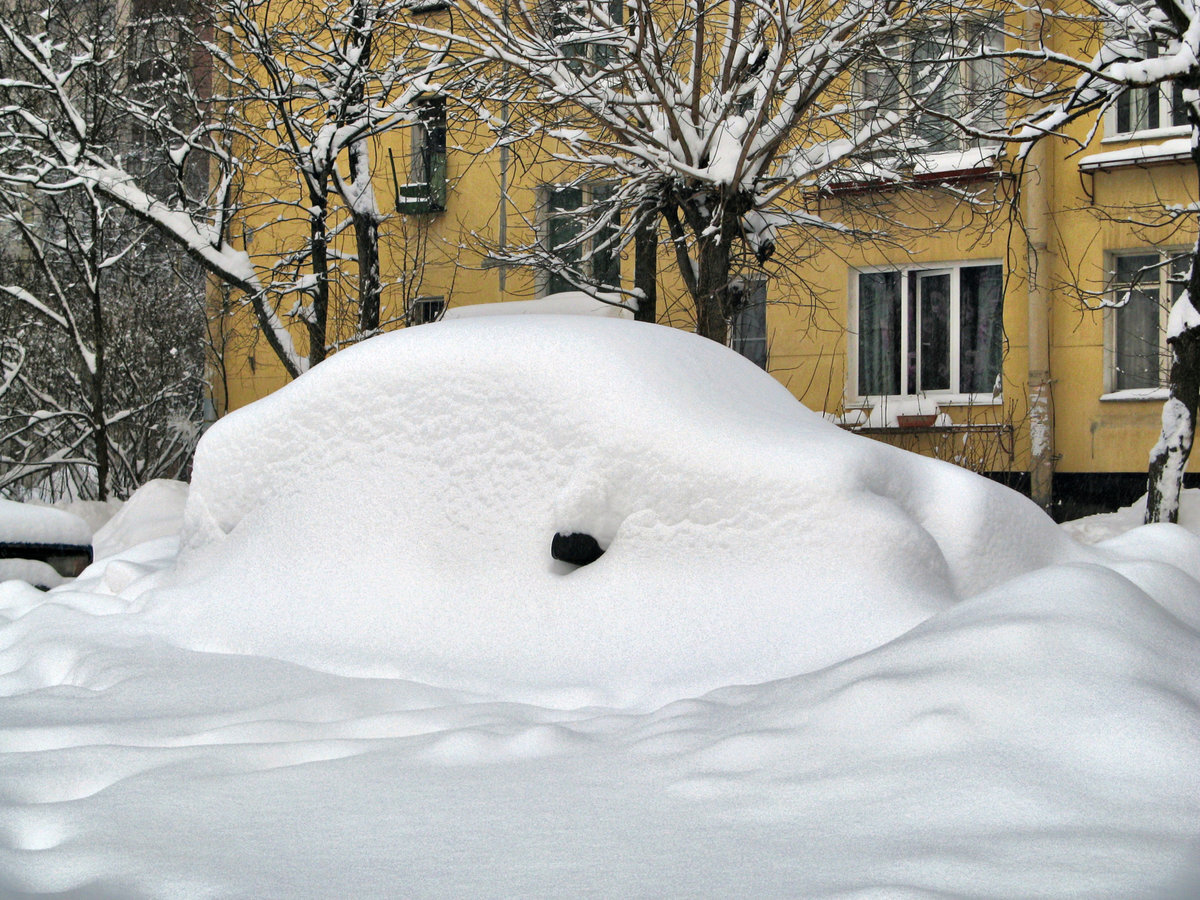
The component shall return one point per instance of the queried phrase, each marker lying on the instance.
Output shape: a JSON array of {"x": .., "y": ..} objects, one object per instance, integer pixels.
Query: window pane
[
  {"x": 605, "y": 258},
  {"x": 1139, "y": 338},
  {"x": 879, "y": 333},
  {"x": 562, "y": 234},
  {"x": 1178, "y": 108},
  {"x": 750, "y": 326},
  {"x": 981, "y": 328},
  {"x": 986, "y": 84},
  {"x": 935, "y": 86},
  {"x": 881, "y": 87},
  {"x": 935, "y": 332}
]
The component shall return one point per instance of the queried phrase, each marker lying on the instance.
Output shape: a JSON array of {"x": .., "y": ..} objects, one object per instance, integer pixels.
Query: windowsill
[
  {"x": 936, "y": 400},
  {"x": 1148, "y": 134},
  {"x": 1178, "y": 149},
  {"x": 877, "y": 414},
  {"x": 961, "y": 427},
  {"x": 949, "y": 165},
  {"x": 1136, "y": 395}
]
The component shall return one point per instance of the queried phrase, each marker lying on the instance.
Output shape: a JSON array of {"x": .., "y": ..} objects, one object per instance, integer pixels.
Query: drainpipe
[{"x": 1037, "y": 192}]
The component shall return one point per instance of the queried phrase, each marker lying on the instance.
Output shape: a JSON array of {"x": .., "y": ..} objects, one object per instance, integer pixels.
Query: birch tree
[
  {"x": 101, "y": 365},
  {"x": 1144, "y": 45},
  {"x": 713, "y": 118}
]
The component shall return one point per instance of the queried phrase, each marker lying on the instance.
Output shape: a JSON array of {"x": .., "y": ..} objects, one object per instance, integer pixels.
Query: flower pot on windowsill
[{"x": 913, "y": 421}]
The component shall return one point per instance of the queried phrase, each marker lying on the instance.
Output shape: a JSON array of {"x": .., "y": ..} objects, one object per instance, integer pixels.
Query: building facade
[{"x": 1011, "y": 320}]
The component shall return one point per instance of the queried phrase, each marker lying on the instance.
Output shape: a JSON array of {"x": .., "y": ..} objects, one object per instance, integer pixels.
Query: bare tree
[
  {"x": 715, "y": 118},
  {"x": 294, "y": 94},
  {"x": 102, "y": 362}
]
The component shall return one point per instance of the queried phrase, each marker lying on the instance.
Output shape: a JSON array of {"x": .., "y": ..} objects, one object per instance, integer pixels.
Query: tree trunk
[
  {"x": 1169, "y": 458},
  {"x": 97, "y": 369},
  {"x": 713, "y": 294},
  {"x": 712, "y": 286},
  {"x": 1170, "y": 455},
  {"x": 366, "y": 234},
  {"x": 645, "y": 268},
  {"x": 320, "y": 266}
]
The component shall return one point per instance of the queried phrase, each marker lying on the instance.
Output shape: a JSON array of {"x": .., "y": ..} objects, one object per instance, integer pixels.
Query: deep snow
[{"x": 808, "y": 665}]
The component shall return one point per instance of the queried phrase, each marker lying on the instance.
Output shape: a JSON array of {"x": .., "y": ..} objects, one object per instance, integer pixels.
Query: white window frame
[
  {"x": 1164, "y": 94},
  {"x": 1114, "y": 293},
  {"x": 969, "y": 71},
  {"x": 949, "y": 396}
]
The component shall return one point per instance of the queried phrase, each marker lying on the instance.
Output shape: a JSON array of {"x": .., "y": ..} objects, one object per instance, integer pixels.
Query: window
[
  {"x": 580, "y": 31},
  {"x": 1149, "y": 108},
  {"x": 913, "y": 78},
  {"x": 930, "y": 330},
  {"x": 1143, "y": 286},
  {"x": 748, "y": 330},
  {"x": 425, "y": 309},
  {"x": 425, "y": 190},
  {"x": 582, "y": 232}
]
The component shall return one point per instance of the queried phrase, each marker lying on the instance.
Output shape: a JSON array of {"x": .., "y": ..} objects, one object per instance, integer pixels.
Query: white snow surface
[
  {"x": 433, "y": 499},
  {"x": 154, "y": 511},
  {"x": 566, "y": 303},
  {"x": 27, "y": 523},
  {"x": 828, "y": 668}
]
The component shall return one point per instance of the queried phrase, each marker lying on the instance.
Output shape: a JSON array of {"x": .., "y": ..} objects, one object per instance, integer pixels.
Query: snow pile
[
  {"x": 567, "y": 303},
  {"x": 95, "y": 512},
  {"x": 368, "y": 519},
  {"x": 25, "y": 523},
  {"x": 1101, "y": 527},
  {"x": 33, "y": 571},
  {"x": 154, "y": 511},
  {"x": 1036, "y": 732}
]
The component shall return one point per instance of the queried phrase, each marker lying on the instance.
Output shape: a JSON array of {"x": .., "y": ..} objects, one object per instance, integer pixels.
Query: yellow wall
[{"x": 807, "y": 321}]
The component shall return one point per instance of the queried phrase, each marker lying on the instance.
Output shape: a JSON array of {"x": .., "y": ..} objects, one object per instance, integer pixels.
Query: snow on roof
[
  {"x": 570, "y": 303},
  {"x": 1176, "y": 149},
  {"x": 408, "y": 490},
  {"x": 26, "y": 523}
]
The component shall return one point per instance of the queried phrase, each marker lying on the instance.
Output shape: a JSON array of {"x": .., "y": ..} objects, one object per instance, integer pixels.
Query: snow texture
[
  {"x": 1174, "y": 149},
  {"x": 364, "y": 677},
  {"x": 711, "y": 480},
  {"x": 567, "y": 303},
  {"x": 154, "y": 511},
  {"x": 23, "y": 523}
]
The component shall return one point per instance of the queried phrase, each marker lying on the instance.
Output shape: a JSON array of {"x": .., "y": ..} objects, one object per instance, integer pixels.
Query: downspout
[{"x": 1036, "y": 192}]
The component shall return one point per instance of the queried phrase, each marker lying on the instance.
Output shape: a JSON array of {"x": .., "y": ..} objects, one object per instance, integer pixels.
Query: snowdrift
[
  {"x": 392, "y": 513},
  {"x": 248, "y": 718}
]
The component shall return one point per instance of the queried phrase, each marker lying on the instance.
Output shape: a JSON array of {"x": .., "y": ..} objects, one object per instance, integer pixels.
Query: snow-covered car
[
  {"x": 805, "y": 665},
  {"x": 42, "y": 545},
  {"x": 423, "y": 478}
]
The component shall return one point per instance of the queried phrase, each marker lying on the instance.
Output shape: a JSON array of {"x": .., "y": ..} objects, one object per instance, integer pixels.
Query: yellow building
[{"x": 994, "y": 294}]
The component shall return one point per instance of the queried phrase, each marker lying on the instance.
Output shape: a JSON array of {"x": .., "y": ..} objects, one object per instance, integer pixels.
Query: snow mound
[
  {"x": 33, "y": 571},
  {"x": 1102, "y": 526},
  {"x": 392, "y": 513},
  {"x": 26, "y": 523},
  {"x": 154, "y": 511}
]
